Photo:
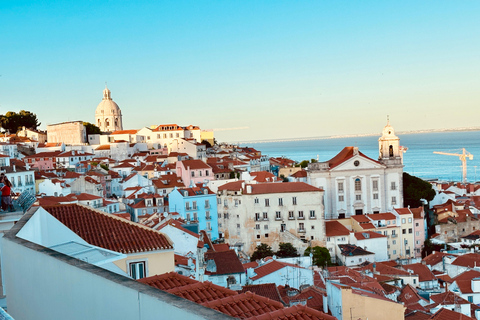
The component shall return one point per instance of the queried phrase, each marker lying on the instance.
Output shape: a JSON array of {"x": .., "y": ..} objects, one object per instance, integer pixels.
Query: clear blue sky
[{"x": 281, "y": 68}]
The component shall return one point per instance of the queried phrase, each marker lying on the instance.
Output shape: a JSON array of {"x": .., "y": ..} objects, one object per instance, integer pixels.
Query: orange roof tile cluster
[
  {"x": 344, "y": 155},
  {"x": 108, "y": 231},
  {"x": 464, "y": 280},
  {"x": 334, "y": 228},
  {"x": 201, "y": 292},
  {"x": 263, "y": 176},
  {"x": 194, "y": 164},
  {"x": 435, "y": 258},
  {"x": 469, "y": 260},
  {"x": 244, "y": 305},
  {"x": 267, "y": 290},
  {"x": 167, "y": 281},
  {"x": 226, "y": 262},
  {"x": 270, "y": 267},
  {"x": 446, "y": 314},
  {"x": 368, "y": 235},
  {"x": 267, "y": 188},
  {"x": 295, "y": 312},
  {"x": 423, "y": 272}
]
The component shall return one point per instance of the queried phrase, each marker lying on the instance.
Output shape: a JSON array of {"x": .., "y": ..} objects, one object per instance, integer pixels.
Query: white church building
[{"x": 355, "y": 184}]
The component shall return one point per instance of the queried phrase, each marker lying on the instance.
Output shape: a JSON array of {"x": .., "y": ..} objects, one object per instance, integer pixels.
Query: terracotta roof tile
[
  {"x": 167, "y": 281},
  {"x": 226, "y": 262},
  {"x": 195, "y": 164},
  {"x": 445, "y": 314},
  {"x": 344, "y": 155},
  {"x": 334, "y": 228},
  {"x": 468, "y": 260},
  {"x": 267, "y": 269},
  {"x": 434, "y": 258},
  {"x": 296, "y": 312},
  {"x": 423, "y": 272},
  {"x": 267, "y": 290},
  {"x": 201, "y": 292},
  {"x": 244, "y": 305},
  {"x": 368, "y": 235},
  {"x": 108, "y": 231}
]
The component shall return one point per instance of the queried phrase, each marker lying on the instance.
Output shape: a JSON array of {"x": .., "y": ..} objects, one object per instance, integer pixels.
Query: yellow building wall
[
  {"x": 207, "y": 135},
  {"x": 158, "y": 262},
  {"x": 356, "y": 306}
]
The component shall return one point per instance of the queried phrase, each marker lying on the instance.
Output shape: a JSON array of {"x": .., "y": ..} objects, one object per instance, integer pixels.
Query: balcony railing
[
  {"x": 394, "y": 235},
  {"x": 301, "y": 230},
  {"x": 301, "y": 218}
]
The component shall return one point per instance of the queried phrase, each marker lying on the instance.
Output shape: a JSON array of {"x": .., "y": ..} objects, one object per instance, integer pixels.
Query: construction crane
[{"x": 463, "y": 157}]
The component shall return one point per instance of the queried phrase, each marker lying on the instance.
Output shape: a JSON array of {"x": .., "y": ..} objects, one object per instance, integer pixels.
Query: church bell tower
[{"x": 390, "y": 151}]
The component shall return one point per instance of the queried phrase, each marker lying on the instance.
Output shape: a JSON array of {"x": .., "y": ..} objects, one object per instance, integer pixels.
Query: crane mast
[{"x": 463, "y": 157}]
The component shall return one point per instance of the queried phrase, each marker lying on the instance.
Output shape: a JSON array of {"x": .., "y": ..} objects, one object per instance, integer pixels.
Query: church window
[
  {"x": 340, "y": 187},
  {"x": 394, "y": 200},
  {"x": 171, "y": 135},
  {"x": 375, "y": 185},
  {"x": 164, "y": 136},
  {"x": 178, "y": 135},
  {"x": 393, "y": 186},
  {"x": 99, "y": 123},
  {"x": 340, "y": 198},
  {"x": 107, "y": 123},
  {"x": 358, "y": 185},
  {"x": 390, "y": 151},
  {"x": 375, "y": 196},
  {"x": 358, "y": 197}
]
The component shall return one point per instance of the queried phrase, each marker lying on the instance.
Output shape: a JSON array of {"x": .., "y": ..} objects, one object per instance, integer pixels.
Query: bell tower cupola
[{"x": 390, "y": 151}]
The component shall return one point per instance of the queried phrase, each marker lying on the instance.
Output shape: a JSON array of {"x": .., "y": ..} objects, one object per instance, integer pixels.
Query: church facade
[
  {"x": 355, "y": 184},
  {"x": 108, "y": 116}
]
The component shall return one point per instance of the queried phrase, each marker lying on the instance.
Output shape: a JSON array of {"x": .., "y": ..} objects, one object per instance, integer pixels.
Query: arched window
[
  {"x": 358, "y": 184},
  {"x": 390, "y": 151},
  {"x": 107, "y": 123},
  {"x": 99, "y": 123}
]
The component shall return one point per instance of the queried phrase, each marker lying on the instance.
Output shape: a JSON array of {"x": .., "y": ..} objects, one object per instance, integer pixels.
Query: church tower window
[{"x": 358, "y": 184}]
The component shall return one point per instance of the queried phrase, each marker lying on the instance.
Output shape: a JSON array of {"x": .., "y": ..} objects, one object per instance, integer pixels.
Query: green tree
[
  {"x": 286, "y": 250},
  {"x": 91, "y": 128},
  {"x": 261, "y": 251},
  {"x": 305, "y": 163},
  {"x": 321, "y": 256},
  {"x": 104, "y": 166},
  {"x": 13, "y": 121},
  {"x": 415, "y": 189}
]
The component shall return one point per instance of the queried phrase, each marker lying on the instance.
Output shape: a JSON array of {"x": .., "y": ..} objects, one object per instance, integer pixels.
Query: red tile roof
[
  {"x": 464, "y": 280},
  {"x": 434, "y": 258},
  {"x": 108, "y": 231},
  {"x": 344, "y": 155},
  {"x": 313, "y": 297},
  {"x": 296, "y": 312},
  {"x": 178, "y": 225},
  {"x": 263, "y": 176},
  {"x": 201, "y": 292},
  {"x": 244, "y": 305},
  {"x": 167, "y": 281},
  {"x": 382, "y": 216},
  {"x": 423, "y": 272},
  {"x": 269, "y": 268},
  {"x": 467, "y": 260},
  {"x": 368, "y": 235},
  {"x": 194, "y": 164},
  {"x": 334, "y": 228},
  {"x": 445, "y": 314},
  {"x": 274, "y": 187},
  {"x": 125, "y": 132},
  {"x": 226, "y": 262},
  {"x": 267, "y": 290}
]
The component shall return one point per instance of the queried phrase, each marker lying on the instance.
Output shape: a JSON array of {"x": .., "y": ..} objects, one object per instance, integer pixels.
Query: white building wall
[{"x": 294, "y": 277}]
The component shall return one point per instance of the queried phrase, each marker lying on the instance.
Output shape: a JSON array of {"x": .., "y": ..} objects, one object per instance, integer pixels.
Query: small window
[
  {"x": 340, "y": 187},
  {"x": 256, "y": 200},
  {"x": 340, "y": 198},
  {"x": 294, "y": 200},
  {"x": 280, "y": 201},
  {"x": 358, "y": 184},
  {"x": 267, "y": 202},
  {"x": 137, "y": 269}
]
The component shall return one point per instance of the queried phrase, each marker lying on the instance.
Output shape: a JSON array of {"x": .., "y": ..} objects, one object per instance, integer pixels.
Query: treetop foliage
[
  {"x": 13, "y": 122},
  {"x": 415, "y": 189}
]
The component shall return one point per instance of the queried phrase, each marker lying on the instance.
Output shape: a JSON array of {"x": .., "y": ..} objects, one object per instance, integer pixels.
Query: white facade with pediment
[{"x": 356, "y": 184}]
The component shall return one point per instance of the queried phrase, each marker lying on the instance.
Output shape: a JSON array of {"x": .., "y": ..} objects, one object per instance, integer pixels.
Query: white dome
[
  {"x": 107, "y": 107},
  {"x": 108, "y": 116}
]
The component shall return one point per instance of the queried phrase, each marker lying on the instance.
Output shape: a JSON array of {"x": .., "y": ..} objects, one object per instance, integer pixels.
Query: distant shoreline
[{"x": 360, "y": 135}]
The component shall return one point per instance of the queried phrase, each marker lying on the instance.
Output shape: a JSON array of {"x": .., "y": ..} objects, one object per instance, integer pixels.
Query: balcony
[
  {"x": 291, "y": 218},
  {"x": 301, "y": 218},
  {"x": 208, "y": 217},
  {"x": 394, "y": 235},
  {"x": 265, "y": 219},
  {"x": 301, "y": 230},
  {"x": 313, "y": 218},
  {"x": 278, "y": 218}
]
